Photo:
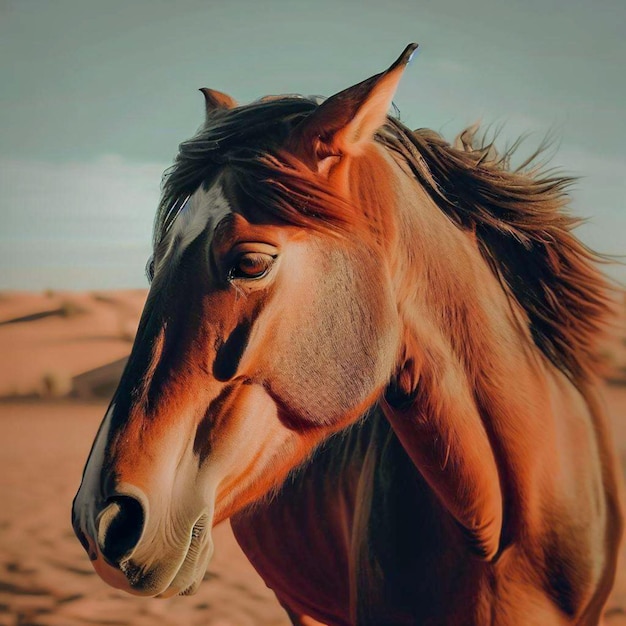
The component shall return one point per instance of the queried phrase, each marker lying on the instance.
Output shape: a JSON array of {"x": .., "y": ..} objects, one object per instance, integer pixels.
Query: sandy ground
[
  {"x": 56, "y": 344},
  {"x": 46, "y": 577}
]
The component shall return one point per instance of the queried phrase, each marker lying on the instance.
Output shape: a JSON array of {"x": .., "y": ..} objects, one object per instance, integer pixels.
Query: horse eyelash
[{"x": 238, "y": 290}]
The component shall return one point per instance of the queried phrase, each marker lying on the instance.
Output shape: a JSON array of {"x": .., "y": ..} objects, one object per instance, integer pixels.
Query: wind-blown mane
[
  {"x": 518, "y": 216},
  {"x": 525, "y": 235}
]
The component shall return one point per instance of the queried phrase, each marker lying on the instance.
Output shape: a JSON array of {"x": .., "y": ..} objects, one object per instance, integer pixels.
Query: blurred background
[{"x": 94, "y": 100}]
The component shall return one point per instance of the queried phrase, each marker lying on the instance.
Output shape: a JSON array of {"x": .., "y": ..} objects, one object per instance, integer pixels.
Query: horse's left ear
[
  {"x": 346, "y": 122},
  {"x": 215, "y": 100}
]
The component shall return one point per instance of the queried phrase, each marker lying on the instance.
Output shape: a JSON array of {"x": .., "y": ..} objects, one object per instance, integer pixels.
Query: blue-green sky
[{"x": 95, "y": 97}]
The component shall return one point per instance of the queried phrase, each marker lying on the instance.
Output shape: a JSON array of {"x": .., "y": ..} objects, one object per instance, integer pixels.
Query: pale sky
[{"x": 96, "y": 96}]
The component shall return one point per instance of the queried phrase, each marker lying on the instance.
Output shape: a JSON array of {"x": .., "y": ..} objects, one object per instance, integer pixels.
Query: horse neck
[{"x": 457, "y": 317}]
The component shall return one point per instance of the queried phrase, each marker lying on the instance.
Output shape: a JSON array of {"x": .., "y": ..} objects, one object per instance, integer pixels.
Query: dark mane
[
  {"x": 244, "y": 132},
  {"x": 518, "y": 216},
  {"x": 248, "y": 140},
  {"x": 525, "y": 235}
]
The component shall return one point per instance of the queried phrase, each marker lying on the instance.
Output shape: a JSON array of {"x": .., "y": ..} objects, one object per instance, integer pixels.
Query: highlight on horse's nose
[{"x": 120, "y": 526}]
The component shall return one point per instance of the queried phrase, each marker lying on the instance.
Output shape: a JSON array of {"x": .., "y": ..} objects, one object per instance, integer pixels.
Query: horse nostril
[{"x": 119, "y": 527}]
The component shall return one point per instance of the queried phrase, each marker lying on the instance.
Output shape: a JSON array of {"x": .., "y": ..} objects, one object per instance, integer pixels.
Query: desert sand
[{"x": 62, "y": 354}]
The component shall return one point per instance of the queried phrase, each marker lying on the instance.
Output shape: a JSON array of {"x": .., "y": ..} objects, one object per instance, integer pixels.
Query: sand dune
[
  {"x": 66, "y": 352},
  {"x": 78, "y": 332}
]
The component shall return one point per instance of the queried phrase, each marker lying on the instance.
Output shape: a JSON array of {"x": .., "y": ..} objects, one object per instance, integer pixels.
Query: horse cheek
[{"x": 341, "y": 347}]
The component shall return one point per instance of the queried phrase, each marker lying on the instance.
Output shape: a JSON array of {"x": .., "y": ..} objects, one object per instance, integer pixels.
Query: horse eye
[
  {"x": 150, "y": 269},
  {"x": 251, "y": 265}
]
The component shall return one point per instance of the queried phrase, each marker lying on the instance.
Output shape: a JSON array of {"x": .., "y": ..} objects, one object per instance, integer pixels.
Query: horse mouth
[
  {"x": 189, "y": 574},
  {"x": 198, "y": 554}
]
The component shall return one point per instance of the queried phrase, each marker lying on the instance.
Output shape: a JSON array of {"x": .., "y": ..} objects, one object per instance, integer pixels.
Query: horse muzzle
[{"x": 132, "y": 552}]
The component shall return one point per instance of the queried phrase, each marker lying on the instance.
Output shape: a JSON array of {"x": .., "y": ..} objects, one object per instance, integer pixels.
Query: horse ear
[
  {"x": 346, "y": 122},
  {"x": 215, "y": 100}
]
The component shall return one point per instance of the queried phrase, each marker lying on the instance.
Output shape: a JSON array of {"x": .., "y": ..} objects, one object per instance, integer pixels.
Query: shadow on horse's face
[{"x": 257, "y": 341}]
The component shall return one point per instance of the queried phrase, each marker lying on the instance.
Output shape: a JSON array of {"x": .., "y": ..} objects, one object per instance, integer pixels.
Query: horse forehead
[{"x": 204, "y": 210}]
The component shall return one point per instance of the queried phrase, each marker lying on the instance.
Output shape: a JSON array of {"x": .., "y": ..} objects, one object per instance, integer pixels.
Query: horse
[{"x": 375, "y": 352}]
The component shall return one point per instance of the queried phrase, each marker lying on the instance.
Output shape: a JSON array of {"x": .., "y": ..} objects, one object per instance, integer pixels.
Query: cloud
[{"x": 76, "y": 224}]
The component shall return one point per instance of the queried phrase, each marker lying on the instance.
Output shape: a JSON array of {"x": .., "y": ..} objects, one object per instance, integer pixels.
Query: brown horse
[{"x": 374, "y": 352}]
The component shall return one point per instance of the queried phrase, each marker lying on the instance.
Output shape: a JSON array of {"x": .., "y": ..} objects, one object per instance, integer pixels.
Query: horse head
[{"x": 270, "y": 324}]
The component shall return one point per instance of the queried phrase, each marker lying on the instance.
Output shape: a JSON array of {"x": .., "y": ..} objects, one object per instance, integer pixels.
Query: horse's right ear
[
  {"x": 216, "y": 100},
  {"x": 345, "y": 123}
]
